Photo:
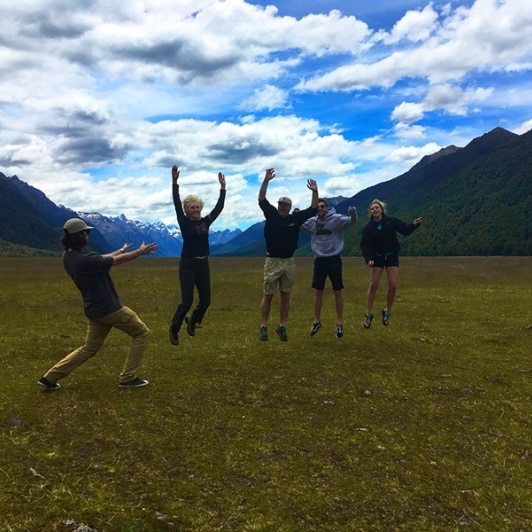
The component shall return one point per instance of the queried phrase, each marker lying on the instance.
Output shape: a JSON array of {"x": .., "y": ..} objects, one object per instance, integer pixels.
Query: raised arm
[
  {"x": 175, "y": 193},
  {"x": 270, "y": 174},
  {"x": 221, "y": 199},
  {"x": 354, "y": 215},
  {"x": 175, "y": 174},
  {"x": 221, "y": 179},
  {"x": 312, "y": 185}
]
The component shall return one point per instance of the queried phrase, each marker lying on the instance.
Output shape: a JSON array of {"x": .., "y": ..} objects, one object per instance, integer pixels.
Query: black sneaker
[
  {"x": 264, "y": 334},
  {"x": 191, "y": 326},
  {"x": 133, "y": 383},
  {"x": 339, "y": 331},
  {"x": 45, "y": 383},
  {"x": 281, "y": 333},
  {"x": 367, "y": 320},
  {"x": 315, "y": 328},
  {"x": 174, "y": 338},
  {"x": 385, "y": 316}
]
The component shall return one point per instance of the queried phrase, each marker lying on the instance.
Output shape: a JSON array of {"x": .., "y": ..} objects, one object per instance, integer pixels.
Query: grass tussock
[{"x": 422, "y": 425}]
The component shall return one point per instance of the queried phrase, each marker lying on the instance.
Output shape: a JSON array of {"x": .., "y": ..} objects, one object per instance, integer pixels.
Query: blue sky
[{"x": 99, "y": 99}]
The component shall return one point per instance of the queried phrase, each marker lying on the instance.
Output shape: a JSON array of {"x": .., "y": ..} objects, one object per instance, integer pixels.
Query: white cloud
[
  {"x": 405, "y": 131},
  {"x": 297, "y": 148},
  {"x": 408, "y": 112},
  {"x": 413, "y": 153},
  {"x": 415, "y": 26},
  {"x": 453, "y": 99},
  {"x": 524, "y": 127},
  {"x": 449, "y": 98},
  {"x": 269, "y": 97},
  {"x": 345, "y": 185},
  {"x": 98, "y": 100},
  {"x": 487, "y": 37}
]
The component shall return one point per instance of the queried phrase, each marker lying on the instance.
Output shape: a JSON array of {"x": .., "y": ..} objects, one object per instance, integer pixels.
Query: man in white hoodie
[{"x": 327, "y": 241}]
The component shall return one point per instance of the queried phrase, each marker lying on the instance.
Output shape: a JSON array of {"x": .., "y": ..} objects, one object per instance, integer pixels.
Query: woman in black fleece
[
  {"x": 194, "y": 264},
  {"x": 380, "y": 249}
]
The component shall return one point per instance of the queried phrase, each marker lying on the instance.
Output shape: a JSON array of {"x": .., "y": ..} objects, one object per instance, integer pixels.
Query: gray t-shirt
[{"x": 90, "y": 273}]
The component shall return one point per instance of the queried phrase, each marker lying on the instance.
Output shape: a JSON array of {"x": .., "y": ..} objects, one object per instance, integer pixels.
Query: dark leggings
[{"x": 193, "y": 272}]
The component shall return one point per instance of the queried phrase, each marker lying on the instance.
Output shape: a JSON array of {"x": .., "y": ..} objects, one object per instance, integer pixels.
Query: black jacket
[{"x": 382, "y": 241}]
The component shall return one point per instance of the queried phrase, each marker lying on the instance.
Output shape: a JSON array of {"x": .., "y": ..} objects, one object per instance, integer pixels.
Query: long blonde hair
[
  {"x": 381, "y": 204},
  {"x": 192, "y": 198}
]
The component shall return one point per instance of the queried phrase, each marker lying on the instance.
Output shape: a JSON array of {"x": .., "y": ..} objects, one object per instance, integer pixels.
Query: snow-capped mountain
[{"x": 119, "y": 230}]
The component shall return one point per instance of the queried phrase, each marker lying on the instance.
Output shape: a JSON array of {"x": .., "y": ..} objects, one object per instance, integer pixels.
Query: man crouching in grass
[{"x": 102, "y": 306}]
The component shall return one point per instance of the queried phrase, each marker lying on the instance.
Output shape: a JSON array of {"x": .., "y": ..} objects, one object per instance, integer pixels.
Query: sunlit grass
[{"x": 422, "y": 425}]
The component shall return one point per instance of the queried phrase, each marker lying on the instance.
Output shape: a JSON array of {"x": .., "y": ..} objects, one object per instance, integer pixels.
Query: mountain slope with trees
[{"x": 474, "y": 200}]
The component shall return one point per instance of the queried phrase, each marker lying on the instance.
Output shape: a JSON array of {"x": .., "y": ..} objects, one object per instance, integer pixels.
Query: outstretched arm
[
  {"x": 312, "y": 185},
  {"x": 120, "y": 251},
  {"x": 143, "y": 249},
  {"x": 270, "y": 174},
  {"x": 407, "y": 229}
]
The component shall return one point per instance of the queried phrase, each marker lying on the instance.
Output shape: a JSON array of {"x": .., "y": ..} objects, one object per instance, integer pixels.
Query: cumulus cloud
[
  {"x": 415, "y": 26},
  {"x": 406, "y": 131},
  {"x": 487, "y": 37},
  {"x": 449, "y": 98},
  {"x": 269, "y": 97},
  {"x": 413, "y": 153},
  {"x": 524, "y": 127},
  {"x": 408, "y": 112},
  {"x": 297, "y": 148},
  {"x": 344, "y": 185},
  {"x": 99, "y": 100}
]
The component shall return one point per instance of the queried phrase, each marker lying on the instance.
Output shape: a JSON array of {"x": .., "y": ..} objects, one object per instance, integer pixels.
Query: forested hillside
[
  {"x": 474, "y": 200},
  {"x": 8, "y": 249}
]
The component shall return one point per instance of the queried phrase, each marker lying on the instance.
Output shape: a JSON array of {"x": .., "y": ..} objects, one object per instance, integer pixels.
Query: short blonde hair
[
  {"x": 192, "y": 198},
  {"x": 381, "y": 204}
]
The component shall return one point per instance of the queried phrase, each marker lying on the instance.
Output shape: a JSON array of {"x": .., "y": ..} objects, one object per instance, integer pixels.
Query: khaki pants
[{"x": 124, "y": 319}]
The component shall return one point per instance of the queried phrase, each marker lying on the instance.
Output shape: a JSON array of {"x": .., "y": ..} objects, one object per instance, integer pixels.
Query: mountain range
[
  {"x": 31, "y": 224},
  {"x": 474, "y": 200}
]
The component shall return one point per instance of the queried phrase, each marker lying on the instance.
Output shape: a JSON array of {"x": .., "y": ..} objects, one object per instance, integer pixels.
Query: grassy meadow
[{"x": 425, "y": 425}]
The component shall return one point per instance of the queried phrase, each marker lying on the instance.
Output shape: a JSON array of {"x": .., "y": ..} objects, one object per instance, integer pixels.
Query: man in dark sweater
[
  {"x": 102, "y": 306},
  {"x": 281, "y": 233}
]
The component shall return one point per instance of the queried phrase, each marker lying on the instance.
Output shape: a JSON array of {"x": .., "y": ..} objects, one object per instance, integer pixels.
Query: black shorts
[
  {"x": 327, "y": 267},
  {"x": 389, "y": 259}
]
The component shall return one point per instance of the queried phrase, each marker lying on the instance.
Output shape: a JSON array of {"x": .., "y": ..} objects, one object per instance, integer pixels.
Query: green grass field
[{"x": 423, "y": 425}]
